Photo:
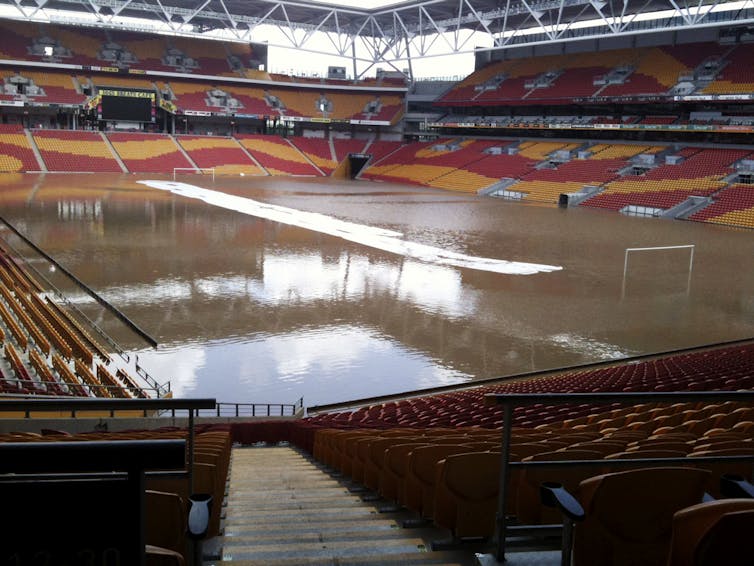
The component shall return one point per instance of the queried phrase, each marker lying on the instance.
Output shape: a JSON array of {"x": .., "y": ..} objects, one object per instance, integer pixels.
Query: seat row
[
  {"x": 55, "y": 346},
  {"x": 452, "y": 475}
]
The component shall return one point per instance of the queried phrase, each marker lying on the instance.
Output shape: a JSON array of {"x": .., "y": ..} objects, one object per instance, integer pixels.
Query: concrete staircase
[{"x": 282, "y": 509}]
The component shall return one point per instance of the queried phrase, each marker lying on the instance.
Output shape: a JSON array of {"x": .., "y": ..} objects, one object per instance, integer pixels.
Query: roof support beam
[{"x": 422, "y": 28}]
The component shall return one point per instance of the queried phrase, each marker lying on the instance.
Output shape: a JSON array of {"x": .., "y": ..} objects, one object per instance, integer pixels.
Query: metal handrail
[
  {"x": 257, "y": 409},
  {"x": 160, "y": 389},
  {"x": 83, "y": 385},
  {"x": 251, "y": 409},
  {"x": 112, "y": 405},
  {"x": 511, "y": 400}
]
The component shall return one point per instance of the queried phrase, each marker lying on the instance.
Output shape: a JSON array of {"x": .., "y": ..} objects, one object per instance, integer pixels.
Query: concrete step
[
  {"x": 277, "y": 494},
  {"x": 407, "y": 559},
  {"x": 334, "y": 536},
  {"x": 290, "y": 516},
  {"x": 315, "y": 549},
  {"x": 282, "y": 509},
  {"x": 238, "y": 508},
  {"x": 307, "y": 528}
]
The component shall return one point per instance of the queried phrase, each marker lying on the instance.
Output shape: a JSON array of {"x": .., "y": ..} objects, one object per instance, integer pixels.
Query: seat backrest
[
  {"x": 421, "y": 463},
  {"x": 396, "y": 456},
  {"x": 728, "y": 541},
  {"x": 472, "y": 476},
  {"x": 709, "y": 533},
  {"x": 529, "y": 508},
  {"x": 744, "y": 469},
  {"x": 629, "y": 514},
  {"x": 165, "y": 516}
]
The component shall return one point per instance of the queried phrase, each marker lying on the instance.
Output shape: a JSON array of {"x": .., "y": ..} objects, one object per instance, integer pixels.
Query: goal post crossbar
[
  {"x": 199, "y": 170},
  {"x": 690, "y": 247}
]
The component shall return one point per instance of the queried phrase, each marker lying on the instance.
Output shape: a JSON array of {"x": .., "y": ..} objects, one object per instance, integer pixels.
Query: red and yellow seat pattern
[
  {"x": 68, "y": 150},
  {"x": 318, "y": 151},
  {"x": 381, "y": 148},
  {"x": 58, "y": 87},
  {"x": 701, "y": 173},
  {"x": 734, "y": 206},
  {"x": 277, "y": 156},
  {"x": 654, "y": 70},
  {"x": 343, "y": 147},
  {"x": 148, "y": 153},
  {"x": 737, "y": 77},
  {"x": 546, "y": 185},
  {"x": 16, "y": 154},
  {"x": 465, "y": 168},
  {"x": 222, "y": 154}
]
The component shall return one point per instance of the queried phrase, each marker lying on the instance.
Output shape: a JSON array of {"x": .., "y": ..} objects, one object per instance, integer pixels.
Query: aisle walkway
[{"x": 283, "y": 510}]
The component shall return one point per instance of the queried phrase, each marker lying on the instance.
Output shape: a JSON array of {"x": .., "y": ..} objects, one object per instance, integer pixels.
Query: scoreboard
[{"x": 127, "y": 105}]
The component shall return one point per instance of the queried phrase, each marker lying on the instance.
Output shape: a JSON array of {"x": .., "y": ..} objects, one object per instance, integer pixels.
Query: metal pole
[
  {"x": 191, "y": 452},
  {"x": 505, "y": 449},
  {"x": 691, "y": 267}
]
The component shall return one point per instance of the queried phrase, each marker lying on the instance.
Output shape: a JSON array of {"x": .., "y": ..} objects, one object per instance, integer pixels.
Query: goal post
[
  {"x": 194, "y": 170},
  {"x": 629, "y": 251}
]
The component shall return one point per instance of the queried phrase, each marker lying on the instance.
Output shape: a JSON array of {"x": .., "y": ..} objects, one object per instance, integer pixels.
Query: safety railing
[
  {"x": 258, "y": 409},
  {"x": 160, "y": 389},
  {"x": 113, "y": 390},
  {"x": 255, "y": 410},
  {"x": 510, "y": 401},
  {"x": 146, "y": 406}
]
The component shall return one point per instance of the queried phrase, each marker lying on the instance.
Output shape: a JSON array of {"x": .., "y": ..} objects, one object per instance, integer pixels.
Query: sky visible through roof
[{"x": 365, "y": 4}]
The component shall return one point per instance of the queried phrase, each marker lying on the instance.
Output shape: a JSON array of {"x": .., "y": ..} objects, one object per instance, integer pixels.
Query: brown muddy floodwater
[{"x": 248, "y": 309}]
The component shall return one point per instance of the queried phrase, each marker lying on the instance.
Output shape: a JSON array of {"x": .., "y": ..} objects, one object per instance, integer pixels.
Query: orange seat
[
  {"x": 375, "y": 458},
  {"x": 529, "y": 509},
  {"x": 629, "y": 515},
  {"x": 165, "y": 521},
  {"x": 466, "y": 493},
  {"x": 419, "y": 488},
  {"x": 717, "y": 532},
  {"x": 394, "y": 469}
]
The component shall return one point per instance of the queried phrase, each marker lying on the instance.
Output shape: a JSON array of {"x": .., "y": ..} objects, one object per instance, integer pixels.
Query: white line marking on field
[{"x": 379, "y": 238}]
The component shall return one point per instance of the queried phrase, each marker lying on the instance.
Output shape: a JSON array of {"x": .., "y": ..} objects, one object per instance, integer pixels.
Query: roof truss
[{"x": 414, "y": 29}]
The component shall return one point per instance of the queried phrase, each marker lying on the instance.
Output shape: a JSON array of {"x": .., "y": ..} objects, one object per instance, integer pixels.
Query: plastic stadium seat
[
  {"x": 717, "y": 469},
  {"x": 418, "y": 491},
  {"x": 466, "y": 493},
  {"x": 157, "y": 556},
  {"x": 395, "y": 467},
  {"x": 529, "y": 509},
  {"x": 628, "y": 515},
  {"x": 165, "y": 526},
  {"x": 713, "y": 533},
  {"x": 375, "y": 458},
  {"x": 346, "y": 456}
]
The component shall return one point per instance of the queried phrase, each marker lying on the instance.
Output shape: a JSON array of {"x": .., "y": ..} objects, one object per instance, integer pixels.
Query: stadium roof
[{"x": 398, "y": 31}]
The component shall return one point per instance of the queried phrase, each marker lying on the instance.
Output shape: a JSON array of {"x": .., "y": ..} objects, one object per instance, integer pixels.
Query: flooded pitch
[{"x": 379, "y": 289}]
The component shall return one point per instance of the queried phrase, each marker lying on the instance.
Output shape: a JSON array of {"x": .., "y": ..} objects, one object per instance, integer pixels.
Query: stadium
[{"x": 421, "y": 282}]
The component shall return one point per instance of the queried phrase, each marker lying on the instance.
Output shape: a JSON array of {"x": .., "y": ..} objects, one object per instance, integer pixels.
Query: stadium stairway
[
  {"x": 35, "y": 149},
  {"x": 306, "y": 157},
  {"x": 252, "y": 158},
  {"x": 183, "y": 151},
  {"x": 284, "y": 509},
  {"x": 115, "y": 153}
]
